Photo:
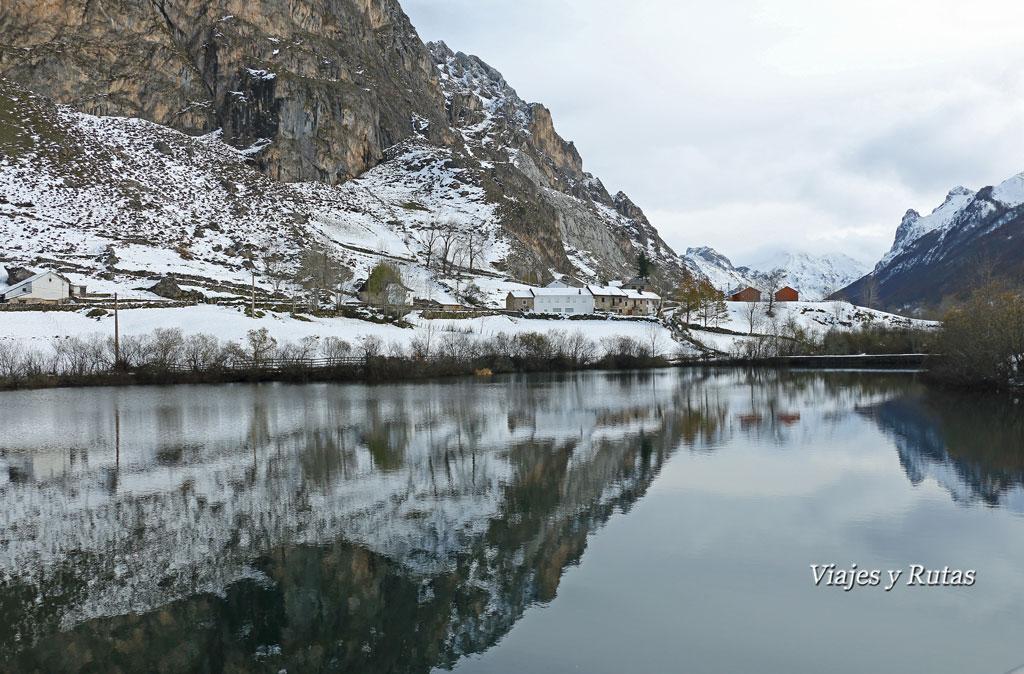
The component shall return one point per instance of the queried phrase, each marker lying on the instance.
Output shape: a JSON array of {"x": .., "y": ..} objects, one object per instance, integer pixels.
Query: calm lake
[{"x": 662, "y": 521}]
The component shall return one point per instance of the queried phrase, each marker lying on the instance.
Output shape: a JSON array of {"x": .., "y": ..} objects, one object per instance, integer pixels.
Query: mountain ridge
[
  {"x": 814, "y": 276},
  {"x": 968, "y": 240}
]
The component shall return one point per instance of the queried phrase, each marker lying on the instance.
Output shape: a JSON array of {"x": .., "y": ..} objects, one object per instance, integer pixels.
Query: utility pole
[
  {"x": 254, "y": 294},
  {"x": 117, "y": 337}
]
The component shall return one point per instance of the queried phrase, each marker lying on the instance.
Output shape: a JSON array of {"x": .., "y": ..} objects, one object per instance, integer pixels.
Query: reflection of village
[{"x": 343, "y": 528}]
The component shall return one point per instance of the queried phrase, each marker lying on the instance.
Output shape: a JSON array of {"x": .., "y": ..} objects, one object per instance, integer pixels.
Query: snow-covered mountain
[
  {"x": 264, "y": 126},
  {"x": 717, "y": 268},
  {"x": 968, "y": 240},
  {"x": 815, "y": 276}
]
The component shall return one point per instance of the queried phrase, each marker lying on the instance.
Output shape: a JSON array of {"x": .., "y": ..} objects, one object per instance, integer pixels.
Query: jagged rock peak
[
  {"x": 472, "y": 68},
  {"x": 910, "y": 217},
  {"x": 959, "y": 191},
  {"x": 625, "y": 205}
]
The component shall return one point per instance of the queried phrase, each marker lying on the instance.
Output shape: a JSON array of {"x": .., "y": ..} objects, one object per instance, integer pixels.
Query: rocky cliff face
[
  {"x": 325, "y": 85},
  {"x": 325, "y": 90},
  {"x": 545, "y": 198}
]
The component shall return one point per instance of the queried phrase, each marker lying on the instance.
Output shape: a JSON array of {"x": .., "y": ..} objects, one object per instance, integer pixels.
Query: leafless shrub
[
  {"x": 260, "y": 346},
  {"x": 370, "y": 346},
  {"x": 165, "y": 349},
  {"x": 335, "y": 348},
  {"x": 202, "y": 352}
]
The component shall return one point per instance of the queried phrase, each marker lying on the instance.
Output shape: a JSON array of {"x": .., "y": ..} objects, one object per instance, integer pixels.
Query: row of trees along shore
[{"x": 168, "y": 356}]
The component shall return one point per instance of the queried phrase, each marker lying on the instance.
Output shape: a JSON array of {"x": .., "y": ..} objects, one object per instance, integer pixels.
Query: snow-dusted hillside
[
  {"x": 813, "y": 318},
  {"x": 815, "y": 276},
  {"x": 116, "y": 203}
]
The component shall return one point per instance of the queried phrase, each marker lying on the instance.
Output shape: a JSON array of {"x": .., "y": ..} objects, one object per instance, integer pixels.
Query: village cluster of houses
[
  {"x": 749, "y": 294},
  {"x": 43, "y": 288},
  {"x": 633, "y": 298}
]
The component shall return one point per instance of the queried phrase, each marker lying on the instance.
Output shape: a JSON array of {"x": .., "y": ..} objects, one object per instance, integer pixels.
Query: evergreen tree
[{"x": 643, "y": 265}]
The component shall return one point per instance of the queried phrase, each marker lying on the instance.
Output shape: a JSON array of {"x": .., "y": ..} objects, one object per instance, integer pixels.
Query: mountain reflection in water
[{"x": 381, "y": 528}]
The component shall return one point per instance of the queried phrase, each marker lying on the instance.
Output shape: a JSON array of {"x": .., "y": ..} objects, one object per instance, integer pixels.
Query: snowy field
[
  {"x": 39, "y": 328},
  {"x": 815, "y": 318}
]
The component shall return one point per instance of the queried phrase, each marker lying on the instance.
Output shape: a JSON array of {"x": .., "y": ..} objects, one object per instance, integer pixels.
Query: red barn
[
  {"x": 745, "y": 295},
  {"x": 787, "y": 294}
]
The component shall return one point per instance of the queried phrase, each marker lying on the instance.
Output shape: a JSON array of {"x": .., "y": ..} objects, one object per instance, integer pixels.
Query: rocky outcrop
[
  {"x": 318, "y": 89},
  {"x": 18, "y": 274},
  {"x": 167, "y": 287}
]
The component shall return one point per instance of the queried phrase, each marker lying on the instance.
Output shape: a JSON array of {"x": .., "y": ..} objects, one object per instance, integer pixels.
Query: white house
[
  {"x": 43, "y": 288},
  {"x": 611, "y": 299},
  {"x": 562, "y": 301}
]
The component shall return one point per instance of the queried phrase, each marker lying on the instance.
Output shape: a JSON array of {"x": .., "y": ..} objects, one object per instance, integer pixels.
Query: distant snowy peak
[
  {"x": 814, "y": 276},
  {"x": 717, "y": 268},
  {"x": 914, "y": 226}
]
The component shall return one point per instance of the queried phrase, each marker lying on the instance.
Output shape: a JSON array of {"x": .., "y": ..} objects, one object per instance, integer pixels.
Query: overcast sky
[{"x": 745, "y": 123}]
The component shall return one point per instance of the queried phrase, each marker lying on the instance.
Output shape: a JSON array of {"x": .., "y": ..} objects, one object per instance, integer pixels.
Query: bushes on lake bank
[
  {"x": 169, "y": 356},
  {"x": 982, "y": 341}
]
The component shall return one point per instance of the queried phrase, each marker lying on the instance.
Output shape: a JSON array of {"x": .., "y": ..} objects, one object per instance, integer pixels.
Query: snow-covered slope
[
  {"x": 815, "y": 276},
  {"x": 969, "y": 239},
  {"x": 116, "y": 203}
]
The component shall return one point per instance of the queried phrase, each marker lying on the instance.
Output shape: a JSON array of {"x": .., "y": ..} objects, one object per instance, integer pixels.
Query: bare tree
[
  {"x": 474, "y": 241},
  {"x": 335, "y": 348},
  {"x": 261, "y": 346},
  {"x": 869, "y": 293},
  {"x": 429, "y": 239},
  {"x": 754, "y": 314},
  {"x": 458, "y": 260},
  {"x": 654, "y": 340},
  {"x": 319, "y": 273},
  {"x": 422, "y": 345},
  {"x": 272, "y": 262},
  {"x": 772, "y": 284},
  {"x": 448, "y": 237}
]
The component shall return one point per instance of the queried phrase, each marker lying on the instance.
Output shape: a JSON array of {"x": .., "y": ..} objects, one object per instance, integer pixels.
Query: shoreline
[{"x": 385, "y": 369}]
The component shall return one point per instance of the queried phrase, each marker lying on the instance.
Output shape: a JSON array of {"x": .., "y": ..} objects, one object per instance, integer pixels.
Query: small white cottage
[{"x": 43, "y": 288}]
